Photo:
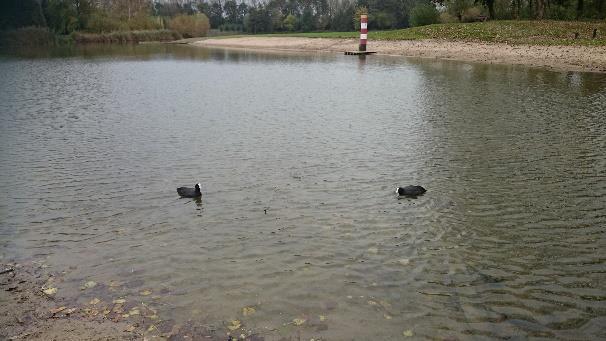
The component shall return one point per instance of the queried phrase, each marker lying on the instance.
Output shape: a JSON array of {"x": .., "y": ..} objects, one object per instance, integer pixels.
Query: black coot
[
  {"x": 187, "y": 192},
  {"x": 410, "y": 190}
]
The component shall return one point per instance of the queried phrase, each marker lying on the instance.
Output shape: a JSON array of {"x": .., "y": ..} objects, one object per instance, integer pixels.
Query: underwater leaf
[
  {"x": 145, "y": 293},
  {"x": 50, "y": 291},
  {"x": 59, "y": 309},
  {"x": 298, "y": 321},
  {"x": 88, "y": 285},
  {"x": 119, "y": 301},
  {"x": 235, "y": 324},
  {"x": 91, "y": 312},
  {"x": 246, "y": 311},
  {"x": 322, "y": 317},
  {"x": 407, "y": 333}
]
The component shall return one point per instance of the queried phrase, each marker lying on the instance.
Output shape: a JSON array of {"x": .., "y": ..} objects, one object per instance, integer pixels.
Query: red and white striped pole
[{"x": 363, "y": 32}]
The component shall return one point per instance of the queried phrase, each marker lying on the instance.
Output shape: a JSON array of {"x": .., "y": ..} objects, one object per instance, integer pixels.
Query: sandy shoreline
[
  {"x": 35, "y": 305},
  {"x": 561, "y": 58},
  {"x": 27, "y": 313}
]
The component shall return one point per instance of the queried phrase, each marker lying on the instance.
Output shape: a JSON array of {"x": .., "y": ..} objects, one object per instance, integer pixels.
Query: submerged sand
[
  {"x": 27, "y": 313},
  {"x": 563, "y": 58}
]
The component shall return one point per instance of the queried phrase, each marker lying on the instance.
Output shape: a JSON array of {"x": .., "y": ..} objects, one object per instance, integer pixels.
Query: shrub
[
  {"x": 557, "y": 12},
  {"x": 125, "y": 36},
  {"x": 100, "y": 22},
  {"x": 458, "y": 7},
  {"x": 27, "y": 36},
  {"x": 190, "y": 25},
  {"x": 503, "y": 10},
  {"x": 290, "y": 23},
  {"x": 382, "y": 20},
  {"x": 471, "y": 14},
  {"x": 145, "y": 22},
  {"x": 446, "y": 18},
  {"x": 423, "y": 14}
]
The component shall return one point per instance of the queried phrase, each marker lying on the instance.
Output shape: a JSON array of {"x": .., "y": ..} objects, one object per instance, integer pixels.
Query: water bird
[
  {"x": 410, "y": 190},
  {"x": 187, "y": 192}
]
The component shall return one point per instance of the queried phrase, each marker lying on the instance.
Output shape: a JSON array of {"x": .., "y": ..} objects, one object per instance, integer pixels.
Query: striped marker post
[{"x": 363, "y": 32}]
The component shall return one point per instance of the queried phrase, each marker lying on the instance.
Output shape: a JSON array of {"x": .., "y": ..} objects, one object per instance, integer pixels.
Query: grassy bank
[
  {"x": 36, "y": 36},
  {"x": 126, "y": 36},
  {"x": 508, "y": 31},
  {"x": 27, "y": 36}
]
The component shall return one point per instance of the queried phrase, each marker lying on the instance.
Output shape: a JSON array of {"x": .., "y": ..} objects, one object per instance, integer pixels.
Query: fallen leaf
[
  {"x": 106, "y": 311},
  {"x": 94, "y": 301},
  {"x": 322, "y": 317},
  {"x": 56, "y": 310},
  {"x": 407, "y": 333},
  {"x": 298, "y": 321},
  {"x": 69, "y": 311},
  {"x": 119, "y": 301},
  {"x": 130, "y": 329},
  {"x": 91, "y": 312},
  {"x": 134, "y": 311},
  {"x": 88, "y": 285},
  {"x": 125, "y": 315},
  {"x": 246, "y": 311},
  {"x": 404, "y": 261},
  {"x": 50, "y": 291},
  {"x": 145, "y": 293},
  {"x": 387, "y": 317},
  {"x": 370, "y": 302},
  {"x": 235, "y": 324}
]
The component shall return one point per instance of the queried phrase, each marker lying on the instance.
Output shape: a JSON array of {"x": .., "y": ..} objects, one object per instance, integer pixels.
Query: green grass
[{"x": 507, "y": 31}]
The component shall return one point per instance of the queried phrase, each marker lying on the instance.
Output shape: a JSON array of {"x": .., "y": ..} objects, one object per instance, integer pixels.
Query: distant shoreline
[{"x": 559, "y": 58}]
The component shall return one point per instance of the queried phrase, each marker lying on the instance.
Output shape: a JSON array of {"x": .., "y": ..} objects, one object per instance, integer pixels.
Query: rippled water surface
[{"x": 509, "y": 240}]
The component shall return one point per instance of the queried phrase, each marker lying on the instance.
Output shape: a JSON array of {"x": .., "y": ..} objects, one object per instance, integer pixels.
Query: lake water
[{"x": 508, "y": 242}]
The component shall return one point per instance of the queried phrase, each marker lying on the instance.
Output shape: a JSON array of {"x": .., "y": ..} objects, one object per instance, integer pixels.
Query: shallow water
[{"x": 507, "y": 242}]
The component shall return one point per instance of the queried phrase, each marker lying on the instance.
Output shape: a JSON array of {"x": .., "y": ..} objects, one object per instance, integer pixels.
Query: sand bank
[{"x": 562, "y": 58}]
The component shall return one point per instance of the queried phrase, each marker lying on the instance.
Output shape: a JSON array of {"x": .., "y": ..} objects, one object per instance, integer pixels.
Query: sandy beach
[{"x": 561, "y": 58}]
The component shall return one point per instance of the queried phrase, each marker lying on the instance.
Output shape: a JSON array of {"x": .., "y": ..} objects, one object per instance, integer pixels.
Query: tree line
[
  {"x": 342, "y": 15},
  {"x": 253, "y": 16}
]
